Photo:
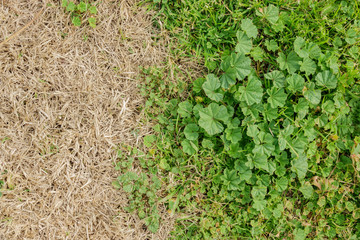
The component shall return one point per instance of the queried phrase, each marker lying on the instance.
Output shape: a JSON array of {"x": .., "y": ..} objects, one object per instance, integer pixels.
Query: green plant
[
  {"x": 79, "y": 11},
  {"x": 142, "y": 187},
  {"x": 265, "y": 146}
]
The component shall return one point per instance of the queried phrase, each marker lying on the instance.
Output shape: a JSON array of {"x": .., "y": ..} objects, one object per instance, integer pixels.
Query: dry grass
[{"x": 65, "y": 105}]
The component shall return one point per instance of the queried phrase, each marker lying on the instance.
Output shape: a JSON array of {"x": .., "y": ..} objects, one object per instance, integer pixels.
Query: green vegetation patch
[{"x": 267, "y": 145}]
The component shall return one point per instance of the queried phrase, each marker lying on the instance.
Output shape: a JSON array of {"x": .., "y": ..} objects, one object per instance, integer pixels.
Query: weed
[
  {"x": 78, "y": 12},
  {"x": 267, "y": 145}
]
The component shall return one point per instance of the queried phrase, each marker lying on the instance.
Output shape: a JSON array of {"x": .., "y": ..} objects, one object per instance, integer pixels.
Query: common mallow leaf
[
  {"x": 295, "y": 82},
  {"x": 244, "y": 44},
  {"x": 308, "y": 66},
  {"x": 291, "y": 62},
  {"x": 191, "y": 131},
  {"x": 210, "y": 86},
  {"x": 211, "y": 116},
  {"x": 253, "y": 91},
  {"x": 231, "y": 179},
  {"x": 271, "y": 13},
  {"x": 299, "y": 46},
  {"x": 326, "y": 79},
  {"x": 277, "y": 77},
  {"x": 277, "y": 97},
  {"x": 311, "y": 94},
  {"x": 300, "y": 166},
  {"x": 235, "y": 66},
  {"x": 185, "y": 109},
  {"x": 249, "y": 28}
]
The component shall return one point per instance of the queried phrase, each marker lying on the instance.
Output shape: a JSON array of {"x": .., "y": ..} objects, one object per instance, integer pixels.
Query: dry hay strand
[{"x": 68, "y": 98}]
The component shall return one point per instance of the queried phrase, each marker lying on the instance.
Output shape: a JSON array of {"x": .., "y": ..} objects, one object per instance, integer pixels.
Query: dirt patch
[{"x": 68, "y": 97}]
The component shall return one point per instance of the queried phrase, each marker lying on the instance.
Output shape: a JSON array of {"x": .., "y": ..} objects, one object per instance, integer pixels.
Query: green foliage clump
[
  {"x": 267, "y": 145},
  {"x": 142, "y": 187},
  {"x": 78, "y": 12}
]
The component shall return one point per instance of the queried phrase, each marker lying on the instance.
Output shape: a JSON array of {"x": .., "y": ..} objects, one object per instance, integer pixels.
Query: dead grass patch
[{"x": 68, "y": 97}]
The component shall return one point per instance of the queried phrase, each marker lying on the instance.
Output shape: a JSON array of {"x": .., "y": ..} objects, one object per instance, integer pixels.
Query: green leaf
[
  {"x": 211, "y": 116},
  {"x": 312, "y": 95},
  {"x": 277, "y": 97},
  {"x": 197, "y": 85},
  {"x": 82, "y": 7},
  {"x": 210, "y": 86},
  {"x": 290, "y": 62},
  {"x": 282, "y": 184},
  {"x": 299, "y": 46},
  {"x": 64, "y": 3},
  {"x": 277, "y": 77},
  {"x": 92, "y": 10},
  {"x": 76, "y": 21},
  {"x": 92, "y": 22},
  {"x": 260, "y": 161},
  {"x": 313, "y": 50},
  {"x": 244, "y": 171},
  {"x": 296, "y": 83},
  {"x": 299, "y": 234},
  {"x": 206, "y": 143},
  {"x": 300, "y": 166},
  {"x": 231, "y": 179},
  {"x": 269, "y": 112},
  {"x": 328, "y": 107},
  {"x": 233, "y": 134},
  {"x": 235, "y": 66},
  {"x": 326, "y": 79},
  {"x": 185, "y": 109},
  {"x": 249, "y": 28},
  {"x": 191, "y": 131},
  {"x": 257, "y": 53},
  {"x": 271, "y": 45},
  {"x": 71, "y": 7},
  {"x": 307, "y": 190},
  {"x": 258, "y": 192},
  {"x": 271, "y": 13},
  {"x": 252, "y": 93},
  {"x": 149, "y": 140},
  {"x": 244, "y": 44},
  {"x": 308, "y": 66},
  {"x": 189, "y": 147},
  {"x": 259, "y": 205}
]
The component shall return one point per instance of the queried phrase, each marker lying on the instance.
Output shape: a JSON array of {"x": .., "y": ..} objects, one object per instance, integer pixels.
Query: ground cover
[{"x": 266, "y": 144}]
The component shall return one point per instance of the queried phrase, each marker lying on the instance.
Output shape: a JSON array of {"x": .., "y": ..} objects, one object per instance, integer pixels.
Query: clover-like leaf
[
  {"x": 244, "y": 44},
  {"x": 191, "y": 131},
  {"x": 249, "y": 28},
  {"x": 291, "y": 62},
  {"x": 253, "y": 91},
  {"x": 82, "y": 7},
  {"x": 210, "y": 86},
  {"x": 197, "y": 85},
  {"x": 326, "y": 79},
  {"x": 296, "y": 83},
  {"x": 211, "y": 116},
  {"x": 76, "y": 21},
  {"x": 277, "y": 97}
]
